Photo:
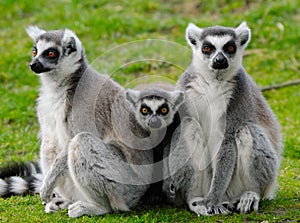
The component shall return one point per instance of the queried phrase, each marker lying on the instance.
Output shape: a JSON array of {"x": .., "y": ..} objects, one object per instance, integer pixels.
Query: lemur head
[
  {"x": 218, "y": 49},
  {"x": 155, "y": 108},
  {"x": 55, "y": 52}
]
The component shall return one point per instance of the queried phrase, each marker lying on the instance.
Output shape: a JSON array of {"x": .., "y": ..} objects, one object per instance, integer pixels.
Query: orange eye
[
  {"x": 230, "y": 49},
  {"x": 144, "y": 110},
  {"x": 51, "y": 54},
  {"x": 34, "y": 52},
  {"x": 164, "y": 110},
  {"x": 206, "y": 49}
]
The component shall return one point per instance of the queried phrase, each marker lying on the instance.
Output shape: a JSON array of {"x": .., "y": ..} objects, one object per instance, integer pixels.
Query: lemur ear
[
  {"x": 243, "y": 33},
  {"x": 34, "y": 32},
  {"x": 132, "y": 96},
  {"x": 177, "y": 98},
  {"x": 192, "y": 35},
  {"x": 70, "y": 43}
]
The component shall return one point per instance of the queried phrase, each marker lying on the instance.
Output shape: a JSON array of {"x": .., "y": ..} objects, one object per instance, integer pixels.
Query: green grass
[{"x": 272, "y": 57}]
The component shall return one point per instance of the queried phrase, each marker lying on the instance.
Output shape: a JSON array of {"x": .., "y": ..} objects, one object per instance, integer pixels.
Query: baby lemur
[
  {"x": 227, "y": 150},
  {"x": 155, "y": 110}
]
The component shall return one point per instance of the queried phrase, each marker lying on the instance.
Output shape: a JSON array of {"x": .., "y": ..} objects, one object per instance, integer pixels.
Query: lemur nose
[
  {"x": 220, "y": 58},
  {"x": 154, "y": 122},
  {"x": 220, "y": 62},
  {"x": 33, "y": 65},
  {"x": 36, "y": 66}
]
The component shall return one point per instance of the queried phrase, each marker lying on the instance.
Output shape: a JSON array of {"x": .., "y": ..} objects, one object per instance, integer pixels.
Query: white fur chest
[
  {"x": 52, "y": 118},
  {"x": 207, "y": 100}
]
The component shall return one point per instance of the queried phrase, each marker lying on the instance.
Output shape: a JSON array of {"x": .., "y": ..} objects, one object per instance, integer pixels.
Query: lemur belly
[
  {"x": 207, "y": 106},
  {"x": 53, "y": 129}
]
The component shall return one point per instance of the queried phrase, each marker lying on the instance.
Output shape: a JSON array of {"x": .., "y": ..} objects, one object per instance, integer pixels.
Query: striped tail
[{"x": 20, "y": 179}]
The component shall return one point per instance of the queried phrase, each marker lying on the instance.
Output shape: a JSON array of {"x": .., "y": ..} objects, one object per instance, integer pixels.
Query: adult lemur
[
  {"x": 227, "y": 150},
  {"x": 82, "y": 114},
  {"x": 95, "y": 156}
]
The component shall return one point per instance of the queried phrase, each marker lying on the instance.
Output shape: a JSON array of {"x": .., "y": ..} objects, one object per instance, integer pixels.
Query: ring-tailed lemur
[
  {"x": 20, "y": 178},
  {"x": 83, "y": 116},
  {"x": 160, "y": 120},
  {"x": 155, "y": 110},
  {"x": 229, "y": 143}
]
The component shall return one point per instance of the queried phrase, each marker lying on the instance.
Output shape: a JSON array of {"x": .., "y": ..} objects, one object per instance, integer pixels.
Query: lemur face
[
  {"x": 45, "y": 56},
  {"x": 54, "y": 51},
  {"x": 218, "y": 52},
  {"x": 154, "y": 112},
  {"x": 155, "y": 109},
  {"x": 218, "y": 49}
]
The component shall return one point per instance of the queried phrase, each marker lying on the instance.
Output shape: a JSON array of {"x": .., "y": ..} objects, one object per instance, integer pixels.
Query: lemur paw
[
  {"x": 55, "y": 204},
  {"x": 248, "y": 202},
  {"x": 198, "y": 209},
  {"x": 198, "y": 206},
  {"x": 80, "y": 208},
  {"x": 76, "y": 210}
]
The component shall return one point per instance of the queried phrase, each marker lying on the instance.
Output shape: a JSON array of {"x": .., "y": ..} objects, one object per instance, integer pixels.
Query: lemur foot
[
  {"x": 57, "y": 203},
  {"x": 249, "y": 201},
  {"x": 196, "y": 205},
  {"x": 80, "y": 208}
]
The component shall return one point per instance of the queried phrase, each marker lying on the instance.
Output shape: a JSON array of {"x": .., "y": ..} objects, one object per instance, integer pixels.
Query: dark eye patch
[
  {"x": 163, "y": 109},
  {"x": 207, "y": 48},
  {"x": 51, "y": 54},
  {"x": 145, "y": 110},
  {"x": 230, "y": 47}
]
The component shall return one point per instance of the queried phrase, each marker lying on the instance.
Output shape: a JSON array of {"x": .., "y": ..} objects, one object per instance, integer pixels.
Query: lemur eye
[
  {"x": 206, "y": 49},
  {"x": 144, "y": 111},
  {"x": 51, "y": 54},
  {"x": 164, "y": 110},
  {"x": 230, "y": 49},
  {"x": 34, "y": 52}
]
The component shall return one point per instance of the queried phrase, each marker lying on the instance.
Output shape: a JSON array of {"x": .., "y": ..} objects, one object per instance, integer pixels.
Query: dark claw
[
  {"x": 212, "y": 211},
  {"x": 251, "y": 207},
  {"x": 229, "y": 207}
]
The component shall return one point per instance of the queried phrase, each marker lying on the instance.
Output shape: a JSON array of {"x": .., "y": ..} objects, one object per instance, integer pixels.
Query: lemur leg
[
  {"x": 253, "y": 177},
  {"x": 256, "y": 168},
  {"x": 100, "y": 172},
  {"x": 178, "y": 169},
  {"x": 214, "y": 164},
  {"x": 56, "y": 172}
]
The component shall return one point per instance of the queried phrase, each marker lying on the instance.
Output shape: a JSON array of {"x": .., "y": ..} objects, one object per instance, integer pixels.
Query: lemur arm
[
  {"x": 57, "y": 170},
  {"x": 223, "y": 170}
]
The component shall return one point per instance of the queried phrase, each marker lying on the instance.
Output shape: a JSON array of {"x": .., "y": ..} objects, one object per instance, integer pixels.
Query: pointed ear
[
  {"x": 243, "y": 33},
  {"x": 177, "y": 98},
  {"x": 132, "y": 96},
  {"x": 70, "y": 43},
  {"x": 34, "y": 32},
  {"x": 192, "y": 35}
]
